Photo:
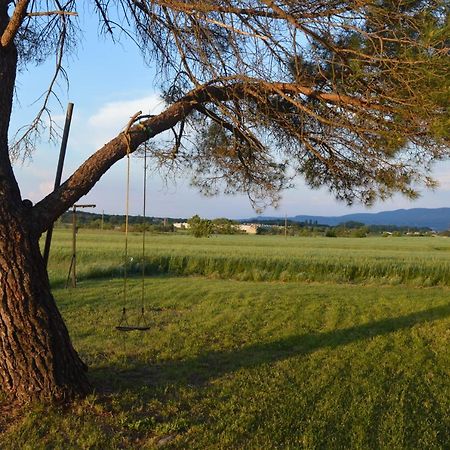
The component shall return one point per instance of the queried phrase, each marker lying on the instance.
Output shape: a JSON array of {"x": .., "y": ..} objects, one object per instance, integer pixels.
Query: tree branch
[
  {"x": 206, "y": 8},
  {"x": 52, "y": 13},
  {"x": 86, "y": 176}
]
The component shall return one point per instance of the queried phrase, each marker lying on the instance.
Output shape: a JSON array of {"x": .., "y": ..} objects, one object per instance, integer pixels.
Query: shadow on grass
[{"x": 212, "y": 364}]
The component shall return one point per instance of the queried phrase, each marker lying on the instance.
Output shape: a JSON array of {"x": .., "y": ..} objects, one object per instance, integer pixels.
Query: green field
[
  {"x": 256, "y": 342},
  {"x": 416, "y": 261}
]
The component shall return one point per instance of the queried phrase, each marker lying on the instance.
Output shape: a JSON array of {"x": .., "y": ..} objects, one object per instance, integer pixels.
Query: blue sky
[{"x": 108, "y": 84}]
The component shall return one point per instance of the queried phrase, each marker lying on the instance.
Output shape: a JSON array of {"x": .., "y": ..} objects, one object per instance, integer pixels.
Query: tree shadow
[{"x": 202, "y": 368}]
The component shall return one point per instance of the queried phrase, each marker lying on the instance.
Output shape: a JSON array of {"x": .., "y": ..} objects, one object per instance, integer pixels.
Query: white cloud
[
  {"x": 112, "y": 117},
  {"x": 37, "y": 187}
]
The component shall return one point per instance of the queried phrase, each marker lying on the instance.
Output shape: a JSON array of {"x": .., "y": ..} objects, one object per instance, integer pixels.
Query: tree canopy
[
  {"x": 350, "y": 95},
  {"x": 200, "y": 227}
]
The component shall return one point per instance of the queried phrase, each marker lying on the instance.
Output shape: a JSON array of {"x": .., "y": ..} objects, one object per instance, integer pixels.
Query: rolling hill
[{"x": 435, "y": 218}]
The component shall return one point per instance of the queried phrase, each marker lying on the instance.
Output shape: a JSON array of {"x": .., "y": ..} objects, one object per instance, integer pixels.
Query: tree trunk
[{"x": 37, "y": 360}]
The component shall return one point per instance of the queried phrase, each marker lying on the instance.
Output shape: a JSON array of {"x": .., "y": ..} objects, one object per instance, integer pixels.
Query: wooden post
[
  {"x": 73, "y": 262},
  {"x": 59, "y": 169}
]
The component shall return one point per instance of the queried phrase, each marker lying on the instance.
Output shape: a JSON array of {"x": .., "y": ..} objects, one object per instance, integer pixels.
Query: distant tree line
[
  {"x": 117, "y": 222},
  {"x": 200, "y": 227},
  {"x": 345, "y": 229}
]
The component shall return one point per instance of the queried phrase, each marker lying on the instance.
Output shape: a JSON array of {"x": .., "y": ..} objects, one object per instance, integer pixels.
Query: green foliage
[
  {"x": 360, "y": 232},
  {"x": 199, "y": 227},
  {"x": 357, "y": 99},
  {"x": 346, "y": 229},
  {"x": 111, "y": 222},
  {"x": 224, "y": 226}
]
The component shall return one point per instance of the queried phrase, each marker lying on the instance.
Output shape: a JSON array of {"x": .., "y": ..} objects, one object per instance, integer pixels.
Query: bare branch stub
[
  {"x": 52, "y": 13},
  {"x": 10, "y": 32}
]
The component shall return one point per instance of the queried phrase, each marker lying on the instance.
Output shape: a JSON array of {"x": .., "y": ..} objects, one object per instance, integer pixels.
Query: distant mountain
[{"x": 436, "y": 218}]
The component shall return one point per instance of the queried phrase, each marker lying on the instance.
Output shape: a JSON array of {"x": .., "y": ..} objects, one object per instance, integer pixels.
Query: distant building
[
  {"x": 249, "y": 228},
  {"x": 181, "y": 225}
]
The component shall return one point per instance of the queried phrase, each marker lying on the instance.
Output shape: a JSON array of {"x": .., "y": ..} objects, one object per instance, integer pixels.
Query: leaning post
[{"x": 62, "y": 155}]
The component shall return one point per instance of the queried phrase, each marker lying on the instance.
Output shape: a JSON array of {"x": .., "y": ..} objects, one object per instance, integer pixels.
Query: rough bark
[
  {"x": 9, "y": 33},
  {"x": 37, "y": 359}
]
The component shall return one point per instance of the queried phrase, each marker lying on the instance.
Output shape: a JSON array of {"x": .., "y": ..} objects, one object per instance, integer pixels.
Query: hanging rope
[
  {"x": 123, "y": 323},
  {"x": 142, "y": 320}
]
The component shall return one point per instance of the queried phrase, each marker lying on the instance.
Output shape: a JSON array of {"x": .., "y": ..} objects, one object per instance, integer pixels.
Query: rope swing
[{"x": 142, "y": 323}]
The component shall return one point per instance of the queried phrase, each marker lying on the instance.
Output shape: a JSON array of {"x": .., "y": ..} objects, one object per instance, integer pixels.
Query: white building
[
  {"x": 249, "y": 228},
  {"x": 181, "y": 225}
]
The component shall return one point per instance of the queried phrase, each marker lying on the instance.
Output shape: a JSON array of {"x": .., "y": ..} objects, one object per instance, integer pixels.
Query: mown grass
[
  {"x": 407, "y": 260},
  {"x": 247, "y": 365},
  {"x": 231, "y": 364}
]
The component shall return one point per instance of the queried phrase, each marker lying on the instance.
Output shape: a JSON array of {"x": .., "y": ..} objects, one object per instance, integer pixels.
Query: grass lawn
[
  {"x": 233, "y": 364},
  {"x": 256, "y": 342}
]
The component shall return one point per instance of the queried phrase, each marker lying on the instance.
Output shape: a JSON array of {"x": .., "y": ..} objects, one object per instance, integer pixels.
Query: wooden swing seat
[
  {"x": 131, "y": 328},
  {"x": 142, "y": 323}
]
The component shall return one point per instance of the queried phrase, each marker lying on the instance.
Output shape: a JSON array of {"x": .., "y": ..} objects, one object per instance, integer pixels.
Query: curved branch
[{"x": 86, "y": 176}]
